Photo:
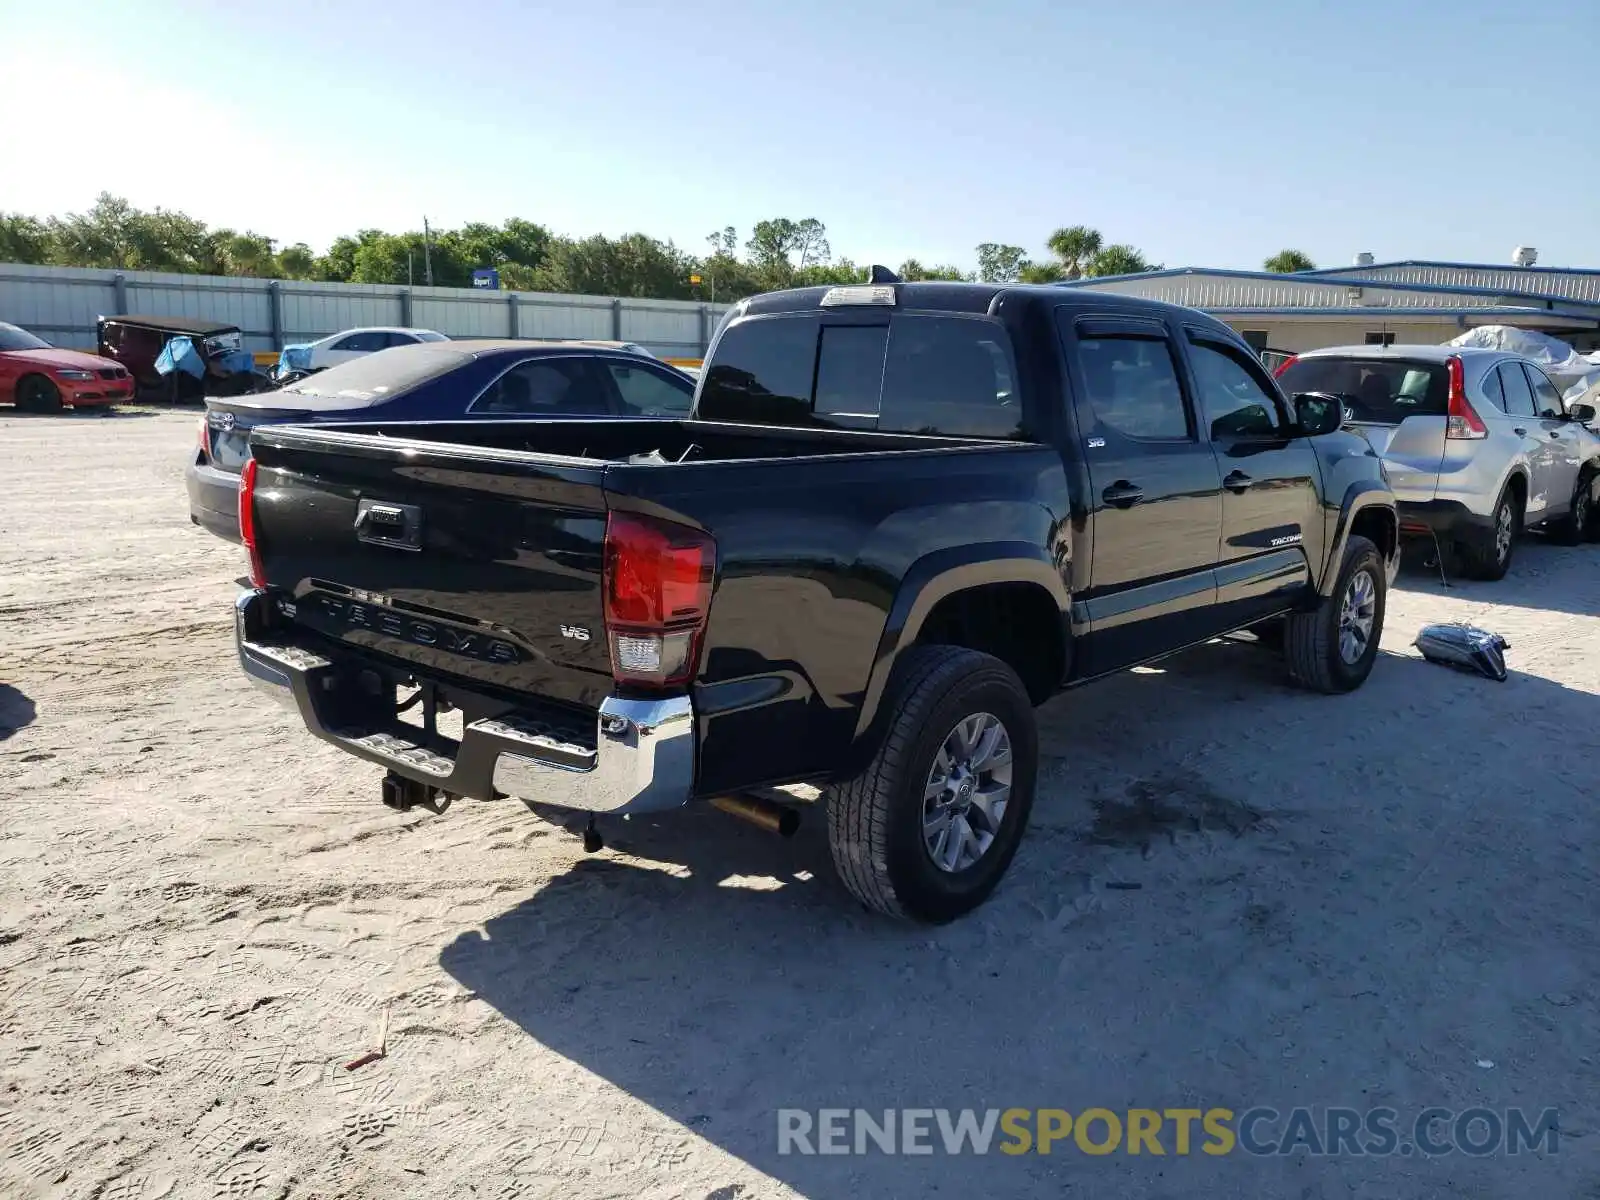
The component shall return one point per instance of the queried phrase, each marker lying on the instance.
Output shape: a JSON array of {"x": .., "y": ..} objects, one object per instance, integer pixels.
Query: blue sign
[{"x": 487, "y": 278}]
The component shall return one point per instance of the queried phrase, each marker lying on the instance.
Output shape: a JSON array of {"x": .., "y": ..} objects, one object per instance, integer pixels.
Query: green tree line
[{"x": 780, "y": 252}]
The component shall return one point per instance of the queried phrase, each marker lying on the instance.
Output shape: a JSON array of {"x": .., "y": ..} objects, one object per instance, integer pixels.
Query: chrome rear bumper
[{"x": 631, "y": 756}]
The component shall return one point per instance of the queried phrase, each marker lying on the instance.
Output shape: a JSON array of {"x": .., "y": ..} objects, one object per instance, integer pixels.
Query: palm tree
[
  {"x": 1120, "y": 259},
  {"x": 1286, "y": 262},
  {"x": 1075, "y": 246}
]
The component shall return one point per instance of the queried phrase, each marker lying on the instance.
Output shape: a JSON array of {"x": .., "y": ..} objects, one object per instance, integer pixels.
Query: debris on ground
[{"x": 1464, "y": 647}]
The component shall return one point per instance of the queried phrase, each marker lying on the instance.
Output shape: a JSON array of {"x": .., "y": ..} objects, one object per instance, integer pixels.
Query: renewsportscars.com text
[{"x": 1431, "y": 1132}]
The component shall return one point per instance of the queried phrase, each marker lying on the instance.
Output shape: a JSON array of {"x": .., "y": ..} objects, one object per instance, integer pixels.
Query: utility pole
[
  {"x": 410, "y": 271},
  {"x": 427, "y": 257}
]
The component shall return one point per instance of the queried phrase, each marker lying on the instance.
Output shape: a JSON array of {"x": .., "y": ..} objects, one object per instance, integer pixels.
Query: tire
[
  {"x": 1579, "y": 524},
  {"x": 37, "y": 394},
  {"x": 880, "y": 824},
  {"x": 1487, "y": 555},
  {"x": 1314, "y": 643}
]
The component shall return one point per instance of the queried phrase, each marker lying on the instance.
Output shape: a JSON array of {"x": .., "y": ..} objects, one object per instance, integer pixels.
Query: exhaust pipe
[{"x": 774, "y": 818}]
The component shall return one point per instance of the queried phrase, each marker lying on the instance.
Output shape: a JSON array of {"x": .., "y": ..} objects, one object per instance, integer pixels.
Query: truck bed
[
  {"x": 491, "y": 578},
  {"x": 616, "y": 442}
]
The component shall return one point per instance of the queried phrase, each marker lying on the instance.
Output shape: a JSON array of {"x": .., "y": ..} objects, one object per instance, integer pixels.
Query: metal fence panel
[
  {"x": 540, "y": 316},
  {"x": 477, "y": 314},
  {"x": 246, "y": 307},
  {"x": 61, "y": 304}
]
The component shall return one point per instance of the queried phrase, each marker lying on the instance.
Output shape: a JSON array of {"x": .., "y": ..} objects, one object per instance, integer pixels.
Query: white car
[{"x": 352, "y": 343}]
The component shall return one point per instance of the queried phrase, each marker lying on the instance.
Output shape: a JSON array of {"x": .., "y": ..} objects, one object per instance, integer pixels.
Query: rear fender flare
[
  {"x": 1519, "y": 468},
  {"x": 1360, "y": 496},
  {"x": 943, "y": 573}
]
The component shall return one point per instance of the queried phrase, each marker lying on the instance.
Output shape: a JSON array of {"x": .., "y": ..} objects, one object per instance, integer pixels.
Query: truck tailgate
[{"x": 485, "y": 567}]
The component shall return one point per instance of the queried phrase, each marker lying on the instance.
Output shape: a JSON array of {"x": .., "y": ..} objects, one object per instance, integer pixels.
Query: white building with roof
[{"x": 1379, "y": 303}]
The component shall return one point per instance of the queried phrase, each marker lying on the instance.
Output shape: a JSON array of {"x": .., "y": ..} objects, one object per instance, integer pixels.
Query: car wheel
[
  {"x": 1487, "y": 555},
  {"x": 38, "y": 394},
  {"x": 1579, "y": 523},
  {"x": 1333, "y": 647},
  {"x": 928, "y": 828}
]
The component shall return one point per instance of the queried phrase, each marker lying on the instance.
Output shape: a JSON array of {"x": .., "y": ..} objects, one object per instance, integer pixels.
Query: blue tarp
[
  {"x": 237, "y": 362},
  {"x": 179, "y": 354},
  {"x": 294, "y": 358}
]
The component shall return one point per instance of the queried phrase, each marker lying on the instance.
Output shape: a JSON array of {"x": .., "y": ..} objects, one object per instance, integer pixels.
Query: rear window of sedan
[
  {"x": 375, "y": 377},
  {"x": 1380, "y": 391}
]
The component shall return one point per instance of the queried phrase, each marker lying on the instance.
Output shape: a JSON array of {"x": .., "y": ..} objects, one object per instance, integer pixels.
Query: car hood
[{"x": 54, "y": 357}]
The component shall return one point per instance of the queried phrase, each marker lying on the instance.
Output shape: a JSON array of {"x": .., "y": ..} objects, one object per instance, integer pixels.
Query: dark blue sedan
[{"x": 433, "y": 381}]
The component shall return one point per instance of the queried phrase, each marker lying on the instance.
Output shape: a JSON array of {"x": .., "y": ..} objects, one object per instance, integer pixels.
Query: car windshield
[
  {"x": 1379, "y": 391},
  {"x": 12, "y": 338},
  {"x": 373, "y": 378}
]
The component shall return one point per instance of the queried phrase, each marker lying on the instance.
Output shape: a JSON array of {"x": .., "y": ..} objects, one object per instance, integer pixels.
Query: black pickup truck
[{"x": 901, "y": 516}]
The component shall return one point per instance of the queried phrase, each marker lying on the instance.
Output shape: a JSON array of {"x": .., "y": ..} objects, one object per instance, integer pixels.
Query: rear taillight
[
  {"x": 1285, "y": 365},
  {"x": 247, "y": 522},
  {"x": 657, "y": 585},
  {"x": 1462, "y": 420},
  {"x": 202, "y": 438}
]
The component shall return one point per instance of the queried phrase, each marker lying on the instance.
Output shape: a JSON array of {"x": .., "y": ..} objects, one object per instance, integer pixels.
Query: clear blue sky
[{"x": 1205, "y": 134}]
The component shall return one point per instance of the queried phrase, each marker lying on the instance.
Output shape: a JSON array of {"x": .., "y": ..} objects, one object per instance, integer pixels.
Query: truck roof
[{"x": 948, "y": 296}]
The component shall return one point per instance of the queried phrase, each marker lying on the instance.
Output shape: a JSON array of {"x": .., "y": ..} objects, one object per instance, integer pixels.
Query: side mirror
[
  {"x": 1581, "y": 413},
  {"x": 1318, "y": 412}
]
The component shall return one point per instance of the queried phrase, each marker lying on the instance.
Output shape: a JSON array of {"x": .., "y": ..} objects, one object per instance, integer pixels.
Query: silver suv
[{"x": 1477, "y": 444}]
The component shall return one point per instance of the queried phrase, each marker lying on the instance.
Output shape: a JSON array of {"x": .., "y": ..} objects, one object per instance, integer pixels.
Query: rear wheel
[
  {"x": 1579, "y": 523},
  {"x": 1333, "y": 647},
  {"x": 927, "y": 830},
  {"x": 38, "y": 394},
  {"x": 1487, "y": 555}
]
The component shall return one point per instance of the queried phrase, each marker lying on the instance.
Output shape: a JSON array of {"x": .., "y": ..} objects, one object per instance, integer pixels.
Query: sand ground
[{"x": 205, "y": 914}]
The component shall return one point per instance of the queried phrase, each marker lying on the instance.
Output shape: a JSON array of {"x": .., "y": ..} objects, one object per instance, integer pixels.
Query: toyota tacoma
[{"x": 900, "y": 516}]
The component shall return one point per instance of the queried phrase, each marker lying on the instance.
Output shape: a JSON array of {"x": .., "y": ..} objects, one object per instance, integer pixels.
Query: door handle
[
  {"x": 1123, "y": 494},
  {"x": 1237, "y": 481},
  {"x": 1520, "y": 432}
]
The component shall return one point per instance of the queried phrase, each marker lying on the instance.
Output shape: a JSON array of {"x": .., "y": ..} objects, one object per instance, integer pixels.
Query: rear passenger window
[
  {"x": 362, "y": 343},
  {"x": 1519, "y": 397},
  {"x": 645, "y": 393},
  {"x": 541, "y": 388},
  {"x": 950, "y": 376},
  {"x": 1493, "y": 390},
  {"x": 1133, "y": 389},
  {"x": 1545, "y": 397}
]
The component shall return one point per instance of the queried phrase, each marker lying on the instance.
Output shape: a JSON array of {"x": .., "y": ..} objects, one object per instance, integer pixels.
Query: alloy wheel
[
  {"x": 1357, "y": 614},
  {"x": 1504, "y": 524},
  {"x": 968, "y": 788}
]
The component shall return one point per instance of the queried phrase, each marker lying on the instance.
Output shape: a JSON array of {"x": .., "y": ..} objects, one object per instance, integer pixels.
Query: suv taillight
[
  {"x": 247, "y": 522},
  {"x": 657, "y": 586},
  {"x": 203, "y": 439},
  {"x": 1285, "y": 365},
  {"x": 1462, "y": 420}
]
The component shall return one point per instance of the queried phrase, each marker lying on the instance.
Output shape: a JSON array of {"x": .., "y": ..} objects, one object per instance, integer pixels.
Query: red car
[{"x": 37, "y": 377}]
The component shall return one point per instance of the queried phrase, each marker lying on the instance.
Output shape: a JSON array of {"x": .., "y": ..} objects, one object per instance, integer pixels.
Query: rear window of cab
[{"x": 921, "y": 373}]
